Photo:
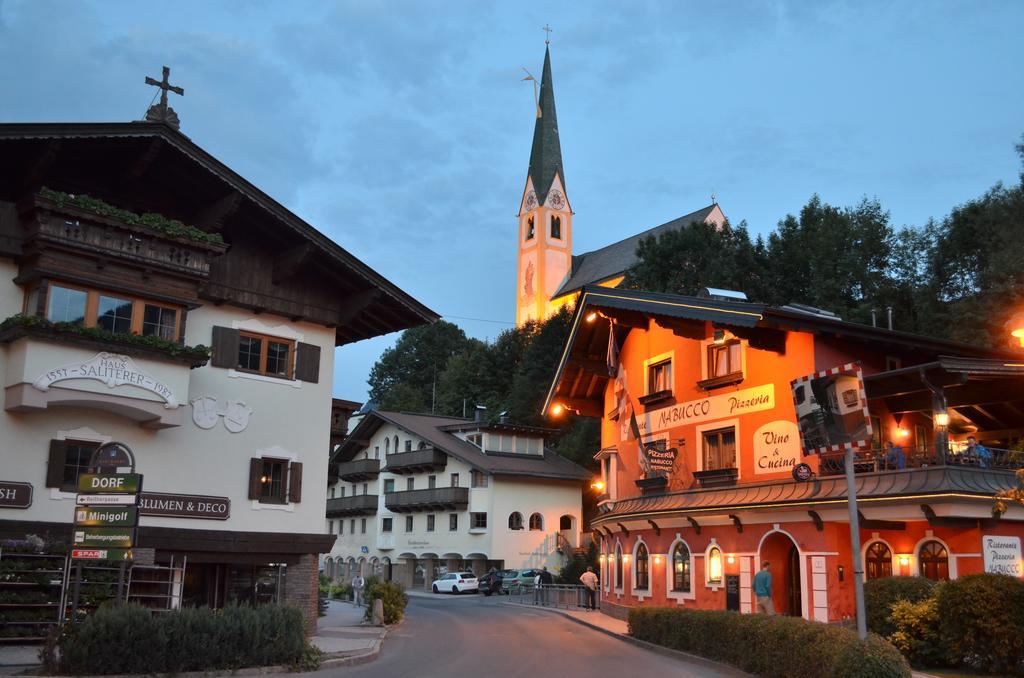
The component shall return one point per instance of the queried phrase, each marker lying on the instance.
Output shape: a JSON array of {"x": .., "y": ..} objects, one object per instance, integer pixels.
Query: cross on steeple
[
  {"x": 547, "y": 29},
  {"x": 162, "y": 112}
]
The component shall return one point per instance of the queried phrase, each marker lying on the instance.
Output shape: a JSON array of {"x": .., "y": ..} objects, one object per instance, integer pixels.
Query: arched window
[
  {"x": 933, "y": 561},
  {"x": 618, "y": 567},
  {"x": 565, "y": 523},
  {"x": 556, "y": 227},
  {"x": 640, "y": 580},
  {"x": 387, "y": 446},
  {"x": 536, "y": 521},
  {"x": 681, "y": 568},
  {"x": 529, "y": 228},
  {"x": 422, "y": 445},
  {"x": 396, "y": 444},
  {"x": 515, "y": 521},
  {"x": 878, "y": 561},
  {"x": 714, "y": 565}
]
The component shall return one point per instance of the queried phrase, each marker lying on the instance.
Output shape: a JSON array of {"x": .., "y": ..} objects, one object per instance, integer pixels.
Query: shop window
[
  {"x": 409, "y": 522},
  {"x": 641, "y": 574},
  {"x": 659, "y": 377},
  {"x": 618, "y": 567},
  {"x": 556, "y": 227},
  {"x": 719, "y": 449},
  {"x": 385, "y": 524},
  {"x": 477, "y": 479},
  {"x": 878, "y": 561},
  {"x": 536, "y": 521},
  {"x": 275, "y": 481},
  {"x": 478, "y": 521},
  {"x": 453, "y": 522},
  {"x": 933, "y": 561},
  {"x": 714, "y": 565},
  {"x": 68, "y": 460},
  {"x": 430, "y": 523},
  {"x": 529, "y": 228},
  {"x": 515, "y": 521},
  {"x": 681, "y": 568},
  {"x": 120, "y": 314}
]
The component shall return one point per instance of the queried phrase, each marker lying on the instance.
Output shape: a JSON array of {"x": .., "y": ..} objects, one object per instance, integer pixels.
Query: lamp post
[{"x": 858, "y": 565}]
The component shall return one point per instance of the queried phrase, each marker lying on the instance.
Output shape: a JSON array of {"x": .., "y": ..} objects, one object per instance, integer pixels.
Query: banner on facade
[
  {"x": 748, "y": 400},
  {"x": 832, "y": 410},
  {"x": 776, "y": 447}
]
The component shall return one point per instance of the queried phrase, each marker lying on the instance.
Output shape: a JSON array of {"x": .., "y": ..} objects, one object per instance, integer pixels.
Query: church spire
[{"x": 546, "y": 156}]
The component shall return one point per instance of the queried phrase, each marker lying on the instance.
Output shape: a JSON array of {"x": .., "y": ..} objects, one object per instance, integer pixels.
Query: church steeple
[{"x": 546, "y": 156}]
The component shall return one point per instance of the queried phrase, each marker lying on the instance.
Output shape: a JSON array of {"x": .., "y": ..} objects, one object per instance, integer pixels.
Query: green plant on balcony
[{"x": 150, "y": 220}]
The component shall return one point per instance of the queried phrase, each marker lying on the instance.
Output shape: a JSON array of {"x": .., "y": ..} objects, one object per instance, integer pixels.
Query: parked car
[
  {"x": 519, "y": 579},
  {"x": 491, "y": 582},
  {"x": 455, "y": 582}
]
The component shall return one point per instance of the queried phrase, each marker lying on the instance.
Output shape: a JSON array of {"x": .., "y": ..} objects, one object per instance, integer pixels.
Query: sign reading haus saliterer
[
  {"x": 113, "y": 369},
  {"x": 748, "y": 400}
]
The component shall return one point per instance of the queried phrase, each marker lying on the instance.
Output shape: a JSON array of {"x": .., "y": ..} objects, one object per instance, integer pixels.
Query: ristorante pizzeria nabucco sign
[
  {"x": 113, "y": 369},
  {"x": 748, "y": 400}
]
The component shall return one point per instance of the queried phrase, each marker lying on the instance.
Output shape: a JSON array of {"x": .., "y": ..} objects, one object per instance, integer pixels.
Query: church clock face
[
  {"x": 531, "y": 201},
  {"x": 556, "y": 199}
]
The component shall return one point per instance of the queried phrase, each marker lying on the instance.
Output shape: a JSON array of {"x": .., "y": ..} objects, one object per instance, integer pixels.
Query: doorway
[{"x": 787, "y": 585}]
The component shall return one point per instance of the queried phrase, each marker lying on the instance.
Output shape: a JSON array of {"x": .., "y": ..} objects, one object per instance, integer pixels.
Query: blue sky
[{"x": 402, "y": 129}]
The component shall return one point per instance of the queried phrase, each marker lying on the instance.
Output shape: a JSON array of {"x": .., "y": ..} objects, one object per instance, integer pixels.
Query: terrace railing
[{"x": 913, "y": 457}]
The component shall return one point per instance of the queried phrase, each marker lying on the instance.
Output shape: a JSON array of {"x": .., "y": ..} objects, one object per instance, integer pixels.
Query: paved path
[
  {"x": 341, "y": 630},
  {"x": 473, "y": 636}
]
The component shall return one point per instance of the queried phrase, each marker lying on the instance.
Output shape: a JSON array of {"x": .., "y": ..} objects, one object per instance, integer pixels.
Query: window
[
  {"x": 618, "y": 567},
  {"x": 376, "y": 451},
  {"x": 352, "y": 526},
  {"x": 933, "y": 561},
  {"x": 68, "y": 460},
  {"x": 385, "y": 525},
  {"x": 410, "y": 483},
  {"x": 478, "y": 521},
  {"x": 556, "y": 227},
  {"x": 114, "y": 314},
  {"x": 431, "y": 482},
  {"x": 408, "y": 446},
  {"x": 110, "y": 312},
  {"x": 477, "y": 439},
  {"x": 265, "y": 355},
  {"x": 430, "y": 523},
  {"x": 922, "y": 438},
  {"x": 529, "y": 228},
  {"x": 341, "y": 527},
  {"x": 365, "y": 486},
  {"x": 343, "y": 491},
  {"x": 362, "y": 526},
  {"x": 273, "y": 480},
  {"x": 640, "y": 582},
  {"x": 536, "y": 521},
  {"x": 724, "y": 360},
  {"x": 714, "y": 565},
  {"x": 515, "y": 521},
  {"x": 455, "y": 480},
  {"x": 66, "y": 305},
  {"x": 396, "y": 444},
  {"x": 659, "y": 377},
  {"x": 565, "y": 523},
  {"x": 453, "y": 521},
  {"x": 159, "y": 321},
  {"x": 681, "y": 568},
  {"x": 477, "y": 479},
  {"x": 330, "y": 527},
  {"x": 878, "y": 561},
  {"x": 408, "y": 523},
  {"x": 719, "y": 449},
  {"x": 387, "y": 446},
  {"x": 421, "y": 446},
  {"x": 332, "y": 493}
]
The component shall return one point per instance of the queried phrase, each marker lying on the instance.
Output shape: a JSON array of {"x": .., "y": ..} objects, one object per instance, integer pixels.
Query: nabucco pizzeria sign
[{"x": 746, "y": 401}]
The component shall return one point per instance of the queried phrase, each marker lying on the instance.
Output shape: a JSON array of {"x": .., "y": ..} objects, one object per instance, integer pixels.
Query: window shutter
[
  {"x": 55, "y": 466},
  {"x": 307, "y": 363},
  {"x": 255, "y": 472},
  {"x": 295, "y": 482},
  {"x": 225, "y": 347}
]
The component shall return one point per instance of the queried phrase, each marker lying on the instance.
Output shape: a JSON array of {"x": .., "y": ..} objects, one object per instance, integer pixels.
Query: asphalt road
[{"x": 471, "y": 635}]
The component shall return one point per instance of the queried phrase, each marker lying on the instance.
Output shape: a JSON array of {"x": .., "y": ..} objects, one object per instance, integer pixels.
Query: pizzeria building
[
  {"x": 152, "y": 296},
  {"x": 704, "y": 476}
]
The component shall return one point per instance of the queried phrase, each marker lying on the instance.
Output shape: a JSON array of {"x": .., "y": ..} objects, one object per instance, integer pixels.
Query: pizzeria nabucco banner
[{"x": 748, "y": 400}]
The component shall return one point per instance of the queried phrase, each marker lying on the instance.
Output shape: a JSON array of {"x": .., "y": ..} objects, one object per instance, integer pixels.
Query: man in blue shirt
[{"x": 763, "y": 589}]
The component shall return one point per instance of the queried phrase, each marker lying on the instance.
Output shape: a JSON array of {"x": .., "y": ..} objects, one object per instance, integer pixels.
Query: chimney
[
  {"x": 479, "y": 413},
  {"x": 874, "y": 317},
  {"x": 888, "y": 313}
]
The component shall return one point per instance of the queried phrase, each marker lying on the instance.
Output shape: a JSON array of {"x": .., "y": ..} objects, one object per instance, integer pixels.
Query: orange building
[
  {"x": 702, "y": 491},
  {"x": 549, "y": 276}
]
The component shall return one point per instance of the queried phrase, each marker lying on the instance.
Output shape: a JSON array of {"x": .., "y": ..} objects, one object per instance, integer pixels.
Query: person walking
[
  {"x": 358, "y": 583},
  {"x": 589, "y": 580},
  {"x": 763, "y": 589},
  {"x": 543, "y": 579}
]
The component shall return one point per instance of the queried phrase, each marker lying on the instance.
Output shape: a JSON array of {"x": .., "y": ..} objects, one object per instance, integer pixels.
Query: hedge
[
  {"x": 769, "y": 646},
  {"x": 881, "y": 594},
  {"x": 131, "y": 639},
  {"x": 393, "y": 596},
  {"x": 981, "y": 622}
]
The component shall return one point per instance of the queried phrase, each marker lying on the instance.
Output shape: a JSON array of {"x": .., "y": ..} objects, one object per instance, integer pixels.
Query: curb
[{"x": 658, "y": 649}]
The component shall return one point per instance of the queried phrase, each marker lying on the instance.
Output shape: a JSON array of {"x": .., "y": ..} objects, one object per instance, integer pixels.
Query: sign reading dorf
[
  {"x": 114, "y": 483},
  {"x": 748, "y": 400}
]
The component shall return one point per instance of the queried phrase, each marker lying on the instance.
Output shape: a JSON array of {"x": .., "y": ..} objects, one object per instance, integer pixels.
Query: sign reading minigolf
[{"x": 105, "y": 516}]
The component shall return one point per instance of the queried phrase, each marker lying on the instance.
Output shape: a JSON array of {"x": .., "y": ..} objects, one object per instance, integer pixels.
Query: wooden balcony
[
  {"x": 359, "y": 505},
  {"x": 437, "y": 499},
  {"x": 427, "y": 459},
  {"x": 359, "y": 470}
]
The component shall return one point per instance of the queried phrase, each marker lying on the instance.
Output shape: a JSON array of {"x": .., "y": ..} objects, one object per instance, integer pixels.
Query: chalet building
[
  {"x": 549, "y": 275},
  {"x": 420, "y": 494},
  {"x": 125, "y": 251},
  {"x": 688, "y": 518}
]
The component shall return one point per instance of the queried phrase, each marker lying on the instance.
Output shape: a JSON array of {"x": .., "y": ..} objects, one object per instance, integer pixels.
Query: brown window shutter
[
  {"x": 225, "y": 347},
  {"x": 55, "y": 466},
  {"x": 255, "y": 473},
  {"x": 307, "y": 363},
  {"x": 295, "y": 481}
]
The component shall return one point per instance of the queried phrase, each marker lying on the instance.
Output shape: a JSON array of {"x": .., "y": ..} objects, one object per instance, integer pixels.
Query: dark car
[{"x": 491, "y": 582}]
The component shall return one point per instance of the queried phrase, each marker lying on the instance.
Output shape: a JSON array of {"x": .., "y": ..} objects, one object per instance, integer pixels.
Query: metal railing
[
  {"x": 913, "y": 457},
  {"x": 567, "y": 596}
]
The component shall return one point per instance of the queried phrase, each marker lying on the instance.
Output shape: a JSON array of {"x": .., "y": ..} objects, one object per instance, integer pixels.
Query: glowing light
[
  {"x": 557, "y": 410},
  {"x": 730, "y": 559},
  {"x": 904, "y": 560},
  {"x": 904, "y": 432},
  {"x": 592, "y": 316},
  {"x": 598, "y": 485},
  {"x": 1016, "y": 326},
  {"x": 941, "y": 419},
  {"x": 657, "y": 559},
  {"x": 714, "y": 564},
  {"x": 601, "y": 558}
]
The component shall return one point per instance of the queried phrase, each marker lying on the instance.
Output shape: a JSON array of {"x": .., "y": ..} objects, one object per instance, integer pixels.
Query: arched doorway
[{"x": 787, "y": 586}]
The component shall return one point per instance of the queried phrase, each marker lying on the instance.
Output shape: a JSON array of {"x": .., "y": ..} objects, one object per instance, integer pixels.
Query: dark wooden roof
[{"x": 276, "y": 263}]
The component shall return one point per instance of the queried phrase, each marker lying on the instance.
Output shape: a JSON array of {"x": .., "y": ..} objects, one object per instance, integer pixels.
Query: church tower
[{"x": 545, "y": 218}]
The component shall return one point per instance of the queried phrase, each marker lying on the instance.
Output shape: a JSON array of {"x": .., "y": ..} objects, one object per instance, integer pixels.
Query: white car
[{"x": 456, "y": 582}]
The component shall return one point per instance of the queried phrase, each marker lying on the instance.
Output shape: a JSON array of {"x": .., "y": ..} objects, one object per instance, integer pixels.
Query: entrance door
[
  {"x": 779, "y": 550},
  {"x": 793, "y": 583}
]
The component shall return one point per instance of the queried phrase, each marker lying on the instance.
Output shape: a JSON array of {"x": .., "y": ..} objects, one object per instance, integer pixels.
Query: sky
[{"x": 402, "y": 130}]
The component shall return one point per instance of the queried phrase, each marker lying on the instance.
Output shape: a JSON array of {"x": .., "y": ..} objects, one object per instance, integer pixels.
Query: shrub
[
  {"x": 341, "y": 591},
  {"x": 917, "y": 631},
  {"x": 773, "y": 647},
  {"x": 880, "y": 594},
  {"x": 393, "y": 596},
  {"x": 981, "y": 622},
  {"x": 131, "y": 639}
]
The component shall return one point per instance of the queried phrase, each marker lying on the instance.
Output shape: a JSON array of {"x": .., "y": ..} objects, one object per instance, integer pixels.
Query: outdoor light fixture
[
  {"x": 601, "y": 558},
  {"x": 592, "y": 316},
  {"x": 715, "y": 564},
  {"x": 597, "y": 485},
  {"x": 1016, "y": 326},
  {"x": 904, "y": 432},
  {"x": 904, "y": 560},
  {"x": 941, "y": 419},
  {"x": 730, "y": 559},
  {"x": 557, "y": 410}
]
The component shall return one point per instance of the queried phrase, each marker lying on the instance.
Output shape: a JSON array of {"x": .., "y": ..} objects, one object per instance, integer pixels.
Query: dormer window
[
  {"x": 556, "y": 227},
  {"x": 530, "y": 229}
]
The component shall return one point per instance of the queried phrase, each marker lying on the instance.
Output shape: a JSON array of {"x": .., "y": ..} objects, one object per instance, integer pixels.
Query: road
[{"x": 455, "y": 636}]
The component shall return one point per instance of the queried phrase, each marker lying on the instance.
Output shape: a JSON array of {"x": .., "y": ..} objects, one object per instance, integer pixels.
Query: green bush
[
  {"x": 341, "y": 591},
  {"x": 981, "y": 622},
  {"x": 917, "y": 631},
  {"x": 881, "y": 594},
  {"x": 772, "y": 647},
  {"x": 393, "y": 596},
  {"x": 131, "y": 639}
]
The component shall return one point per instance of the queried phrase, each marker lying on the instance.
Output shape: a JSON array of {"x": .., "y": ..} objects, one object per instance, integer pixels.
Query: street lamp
[{"x": 1016, "y": 326}]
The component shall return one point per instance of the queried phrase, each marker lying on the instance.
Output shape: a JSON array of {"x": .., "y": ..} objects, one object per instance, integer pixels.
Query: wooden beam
[
  {"x": 981, "y": 392},
  {"x": 872, "y": 524},
  {"x": 819, "y": 524},
  {"x": 288, "y": 264},
  {"x": 688, "y": 329},
  {"x": 36, "y": 173},
  {"x": 592, "y": 365},
  {"x": 694, "y": 524},
  {"x": 736, "y": 521},
  {"x": 654, "y": 526},
  {"x": 356, "y": 304},
  {"x": 631, "y": 319},
  {"x": 585, "y": 408},
  {"x": 213, "y": 217}
]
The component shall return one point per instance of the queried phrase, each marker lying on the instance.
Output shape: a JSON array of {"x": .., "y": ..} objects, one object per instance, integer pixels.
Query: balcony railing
[
  {"x": 911, "y": 457},
  {"x": 427, "y": 459},
  {"x": 359, "y": 505},
  {"x": 359, "y": 470},
  {"x": 437, "y": 499}
]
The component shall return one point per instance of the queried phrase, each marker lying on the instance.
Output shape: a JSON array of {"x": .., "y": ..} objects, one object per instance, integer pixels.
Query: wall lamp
[{"x": 942, "y": 419}]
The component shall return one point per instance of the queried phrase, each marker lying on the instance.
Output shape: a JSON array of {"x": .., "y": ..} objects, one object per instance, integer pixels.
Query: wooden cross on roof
[{"x": 162, "y": 112}]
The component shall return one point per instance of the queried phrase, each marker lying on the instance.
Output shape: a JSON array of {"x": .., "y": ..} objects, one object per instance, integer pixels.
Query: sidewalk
[{"x": 17, "y": 658}]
